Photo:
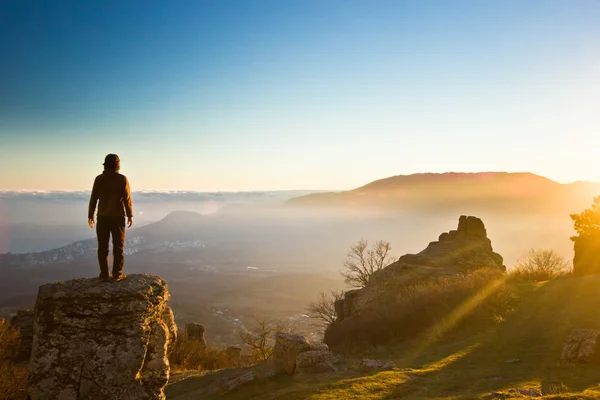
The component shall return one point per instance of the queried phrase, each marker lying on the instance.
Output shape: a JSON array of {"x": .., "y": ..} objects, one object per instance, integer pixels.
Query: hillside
[
  {"x": 460, "y": 192},
  {"x": 522, "y": 352}
]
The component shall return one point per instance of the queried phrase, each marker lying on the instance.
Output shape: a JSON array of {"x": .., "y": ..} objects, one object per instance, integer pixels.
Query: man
[{"x": 111, "y": 191}]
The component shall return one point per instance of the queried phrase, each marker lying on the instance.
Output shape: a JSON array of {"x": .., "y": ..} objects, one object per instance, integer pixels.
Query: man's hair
[{"x": 112, "y": 162}]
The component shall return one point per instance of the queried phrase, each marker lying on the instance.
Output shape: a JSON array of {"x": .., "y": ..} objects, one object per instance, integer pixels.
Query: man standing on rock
[{"x": 111, "y": 192}]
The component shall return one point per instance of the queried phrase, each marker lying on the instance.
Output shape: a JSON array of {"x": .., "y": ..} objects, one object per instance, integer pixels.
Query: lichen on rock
[{"x": 101, "y": 340}]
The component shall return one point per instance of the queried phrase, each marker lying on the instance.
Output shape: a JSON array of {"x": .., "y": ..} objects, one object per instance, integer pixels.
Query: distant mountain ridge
[{"x": 460, "y": 192}]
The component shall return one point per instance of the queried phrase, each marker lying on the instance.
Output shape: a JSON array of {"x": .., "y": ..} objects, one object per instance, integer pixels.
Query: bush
[
  {"x": 434, "y": 307},
  {"x": 13, "y": 376},
  {"x": 192, "y": 355},
  {"x": 540, "y": 265},
  {"x": 260, "y": 340}
]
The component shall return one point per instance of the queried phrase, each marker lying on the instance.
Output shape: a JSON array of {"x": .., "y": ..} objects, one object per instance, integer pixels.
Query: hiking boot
[
  {"x": 119, "y": 277},
  {"x": 104, "y": 277}
]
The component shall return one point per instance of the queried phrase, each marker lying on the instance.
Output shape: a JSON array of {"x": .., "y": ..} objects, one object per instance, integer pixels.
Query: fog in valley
[{"x": 231, "y": 257}]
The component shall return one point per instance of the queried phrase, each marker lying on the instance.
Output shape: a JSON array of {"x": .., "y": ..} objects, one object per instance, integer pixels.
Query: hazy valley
[{"x": 229, "y": 261}]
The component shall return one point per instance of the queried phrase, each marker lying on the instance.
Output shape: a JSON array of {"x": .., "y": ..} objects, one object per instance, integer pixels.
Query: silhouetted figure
[{"x": 111, "y": 192}]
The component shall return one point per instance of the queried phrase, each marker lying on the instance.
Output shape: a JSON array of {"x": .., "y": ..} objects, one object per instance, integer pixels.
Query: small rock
[
  {"x": 513, "y": 361},
  {"x": 368, "y": 365}
]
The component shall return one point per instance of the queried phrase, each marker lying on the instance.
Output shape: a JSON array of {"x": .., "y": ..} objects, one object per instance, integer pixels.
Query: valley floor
[{"x": 522, "y": 352}]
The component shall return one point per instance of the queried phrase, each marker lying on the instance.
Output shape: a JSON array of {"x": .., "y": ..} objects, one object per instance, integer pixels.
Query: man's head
[{"x": 112, "y": 162}]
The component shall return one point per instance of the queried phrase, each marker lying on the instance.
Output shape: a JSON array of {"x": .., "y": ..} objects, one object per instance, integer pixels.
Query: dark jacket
[{"x": 111, "y": 191}]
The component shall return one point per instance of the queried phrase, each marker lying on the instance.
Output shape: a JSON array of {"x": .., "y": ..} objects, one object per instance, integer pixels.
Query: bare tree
[
  {"x": 324, "y": 307},
  {"x": 361, "y": 262},
  {"x": 260, "y": 339}
]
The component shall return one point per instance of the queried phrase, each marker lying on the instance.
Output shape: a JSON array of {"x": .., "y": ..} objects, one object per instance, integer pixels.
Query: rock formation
[
  {"x": 195, "y": 332},
  {"x": 294, "y": 354},
  {"x": 465, "y": 249},
  {"x": 101, "y": 340},
  {"x": 460, "y": 250},
  {"x": 23, "y": 321}
]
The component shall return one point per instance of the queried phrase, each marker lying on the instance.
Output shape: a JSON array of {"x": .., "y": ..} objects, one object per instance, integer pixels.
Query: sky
[{"x": 266, "y": 95}]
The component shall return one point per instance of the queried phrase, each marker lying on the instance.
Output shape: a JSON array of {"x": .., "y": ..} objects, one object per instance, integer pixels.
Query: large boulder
[
  {"x": 287, "y": 347},
  {"x": 23, "y": 321},
  {"x": 101, "y": 340},
  {"x": 293, "y": 354}
]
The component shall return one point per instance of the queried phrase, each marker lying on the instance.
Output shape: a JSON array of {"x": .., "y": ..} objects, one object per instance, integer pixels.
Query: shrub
[
  {"x": 13, "y": 376},
  {"x": 187, "y": 354},
  {"x": 540, "y": 265},
  {"x": 193, "y": 355},
  {"x": 435, "y": 306}
]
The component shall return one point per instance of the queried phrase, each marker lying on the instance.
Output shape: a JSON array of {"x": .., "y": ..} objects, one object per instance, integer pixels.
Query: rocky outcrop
[
  {"x": 581, "y": 347},
  {"x": 463, "y": 249},
  {"x": 195, "y": 332},
  {"x": 101, "y": 340},
  {"x": 364, "y": 314},
  {"x": 23, "y": 321},
  {"x": 294, "y": 354},
  {"x": 456, "y": 251}
]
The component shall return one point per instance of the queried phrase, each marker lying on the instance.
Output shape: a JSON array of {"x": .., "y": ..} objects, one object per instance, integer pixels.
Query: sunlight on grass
[
  {"x": 444, "y": 362},
  {"x": 370, "y": 387},
  {"x": 453, "y": 318}
]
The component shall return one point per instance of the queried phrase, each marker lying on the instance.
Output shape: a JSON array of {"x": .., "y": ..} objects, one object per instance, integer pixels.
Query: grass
[{"x": 466, "y": 364}]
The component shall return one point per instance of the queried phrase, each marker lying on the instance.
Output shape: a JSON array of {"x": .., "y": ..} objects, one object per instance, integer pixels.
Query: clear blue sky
[{"x": 251, "y": 95}]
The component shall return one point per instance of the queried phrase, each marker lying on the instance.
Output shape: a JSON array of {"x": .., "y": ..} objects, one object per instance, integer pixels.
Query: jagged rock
[
  {"x": 580, "y": 346},
  {"x": 169, "y": 319},
  {"x": 465, "y": 248},
  {"x": 101, "y": 340},
  {"x": 23, "y": 321},
  {"x": 287, "y": 347},
  {"x": 195, "y": 332},
  {"x": 457, "y": 251},
  {"x": 369, "y": 365},
  {"x": 317, "y": 359}
]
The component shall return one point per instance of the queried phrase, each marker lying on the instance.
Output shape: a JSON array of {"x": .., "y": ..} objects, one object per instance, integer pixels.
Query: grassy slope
[{"x": 461, "y": 366}]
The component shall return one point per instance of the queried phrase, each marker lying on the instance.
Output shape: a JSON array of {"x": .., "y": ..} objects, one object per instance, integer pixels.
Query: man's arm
[
  {"x": 93, "y": 201},
  {"x": 127, "y": 203}
]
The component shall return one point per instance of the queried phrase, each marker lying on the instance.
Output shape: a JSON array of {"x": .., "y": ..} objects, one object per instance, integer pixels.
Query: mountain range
[{"x": 461, "y": 193}]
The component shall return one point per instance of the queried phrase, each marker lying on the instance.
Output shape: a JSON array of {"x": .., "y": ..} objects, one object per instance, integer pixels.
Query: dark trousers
[{"x": 106, "y": 227}]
